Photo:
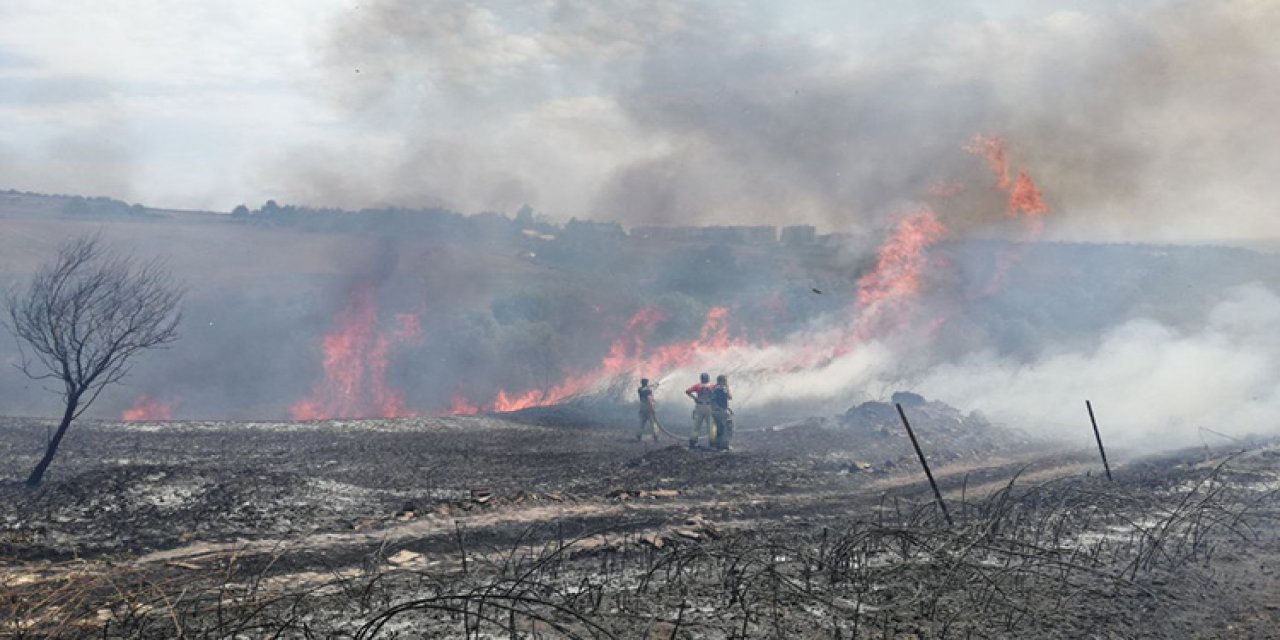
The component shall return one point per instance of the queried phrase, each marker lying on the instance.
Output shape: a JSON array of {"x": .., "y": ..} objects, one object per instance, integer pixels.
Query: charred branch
[{"x": 81, "y": 320}]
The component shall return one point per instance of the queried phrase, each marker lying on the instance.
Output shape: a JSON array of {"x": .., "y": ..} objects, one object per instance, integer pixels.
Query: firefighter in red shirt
[{"x": 701, "y": 394}]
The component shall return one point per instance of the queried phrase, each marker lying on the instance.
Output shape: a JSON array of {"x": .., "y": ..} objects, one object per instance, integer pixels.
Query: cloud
[
  {"x": 10, "y": 60},
  {"x": 100, "y": 156},
  {"x": 46, "y": 91},
  {"x": 136, "y": 100}
]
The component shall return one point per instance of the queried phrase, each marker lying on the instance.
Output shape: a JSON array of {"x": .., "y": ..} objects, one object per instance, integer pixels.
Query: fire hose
[
  {"x": 654, "y": 413},
  {"x": 663, "y": 429},
  {"x": 658, "y": 422}
]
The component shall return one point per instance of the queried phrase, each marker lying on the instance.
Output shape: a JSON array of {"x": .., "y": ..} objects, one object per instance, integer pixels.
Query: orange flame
[
  {"x": 887, "y": 300},
  {"x": 901, "y": 261},
  {"x": 356, "y": 359},
  {"x": 887, "y": 293},
  {"x": 628, "y": 354},
  {"x": 992, "y": 148},
  {"x": 1026, "y": 199},
  {"x": 460, "y": 406},
  {"x": 148, "y": 408}
]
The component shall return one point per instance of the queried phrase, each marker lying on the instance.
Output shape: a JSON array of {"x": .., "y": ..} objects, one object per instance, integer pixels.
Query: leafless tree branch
[{"x": 83, "y": 317}]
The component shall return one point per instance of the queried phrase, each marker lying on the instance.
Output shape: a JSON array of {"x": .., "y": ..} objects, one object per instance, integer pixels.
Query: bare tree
[{"x": 82, "y": 317}]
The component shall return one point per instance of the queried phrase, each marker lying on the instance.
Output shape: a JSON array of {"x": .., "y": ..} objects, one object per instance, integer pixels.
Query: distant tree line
[
  {"x": 430, "y": 222},
  {"x": 85, "y": 205},
  {"x": 526, "y": 225},
  {"x": 102, "y": 206}
]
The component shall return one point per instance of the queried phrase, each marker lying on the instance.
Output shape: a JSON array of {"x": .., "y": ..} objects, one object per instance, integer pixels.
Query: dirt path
[
  {"x": 433, "y": 536},
  {"x": 764, "y": 508}
]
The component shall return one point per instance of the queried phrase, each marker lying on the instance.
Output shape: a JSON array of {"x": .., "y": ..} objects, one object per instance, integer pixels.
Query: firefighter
[
  {"x": 702, "y": 423},
  {"x": 721, "y": 414},
  {"x": 648, "y": 411}
]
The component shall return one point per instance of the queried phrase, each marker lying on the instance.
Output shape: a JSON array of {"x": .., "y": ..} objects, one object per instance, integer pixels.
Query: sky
[{"x": 1141, "y": 120}]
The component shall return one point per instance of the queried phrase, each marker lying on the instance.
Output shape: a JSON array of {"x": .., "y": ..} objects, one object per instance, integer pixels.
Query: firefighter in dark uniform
[
  {"x": 721, "y": 413},
  {"x": 648, "y": 412}
]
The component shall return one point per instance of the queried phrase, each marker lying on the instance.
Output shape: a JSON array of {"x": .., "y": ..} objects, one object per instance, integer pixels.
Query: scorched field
[{"x": 539, "y": 526}]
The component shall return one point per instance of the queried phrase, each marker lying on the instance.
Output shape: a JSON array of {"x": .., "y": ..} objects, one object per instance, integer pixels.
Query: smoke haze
[
  {"x": 1150, "y": 118},
  {"x": 1118, "y": 122},
  {"x": 1143, "y": 116},
  {"x": 1151, "y": 383}
]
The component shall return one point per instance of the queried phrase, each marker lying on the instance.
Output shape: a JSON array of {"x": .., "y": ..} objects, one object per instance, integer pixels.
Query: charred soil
[{"x": 479, "y": 527}]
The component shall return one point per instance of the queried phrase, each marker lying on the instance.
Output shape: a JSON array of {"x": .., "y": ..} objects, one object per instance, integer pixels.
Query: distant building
[
  {"x": 587, "y": 231},
  {"x": 719, "y": 235},
  {"x": 835, "y": 240},
  {"x": 491, "y": 225},
  {"x": 534, "y": 234},
  {"x": 759, "y": 234},
  {"x": 667, "y": 234},
  {"x": 800, "y": 234}
]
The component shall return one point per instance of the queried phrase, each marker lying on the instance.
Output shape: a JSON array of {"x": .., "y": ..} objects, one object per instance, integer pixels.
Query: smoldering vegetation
[
  {"x": 324, "y": 495},
  {"x": 436, "y": 312},
  {"x": 1142, "y": 121}
]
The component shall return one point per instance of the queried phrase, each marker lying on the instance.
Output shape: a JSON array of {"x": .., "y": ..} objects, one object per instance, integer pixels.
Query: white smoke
[{"x": 1152, "y": 386}]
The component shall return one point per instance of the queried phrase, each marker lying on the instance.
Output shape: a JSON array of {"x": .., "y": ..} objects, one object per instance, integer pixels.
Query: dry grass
[{"x": 1024, "y": 560}]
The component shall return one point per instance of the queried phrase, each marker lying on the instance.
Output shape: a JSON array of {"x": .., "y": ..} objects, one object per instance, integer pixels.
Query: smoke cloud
[
  {"x": 1141, "y": 120},
  {"x": 1140, "y": 116},
  {"x": 1153, "y": 385}
]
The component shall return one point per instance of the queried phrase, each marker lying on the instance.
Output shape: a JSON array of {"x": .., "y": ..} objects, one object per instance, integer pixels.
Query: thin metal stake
[
  {"x": 1089, "y": 405},
  {"x": 936, "y": 494},
  {"x": 462, "y": 547}
]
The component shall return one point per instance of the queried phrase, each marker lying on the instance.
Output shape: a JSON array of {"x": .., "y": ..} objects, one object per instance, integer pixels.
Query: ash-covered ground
[{"x": 549, "y": 526}]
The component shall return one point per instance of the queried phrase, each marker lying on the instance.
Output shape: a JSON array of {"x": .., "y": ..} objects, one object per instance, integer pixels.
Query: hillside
[{"x": 512, "y": 304}]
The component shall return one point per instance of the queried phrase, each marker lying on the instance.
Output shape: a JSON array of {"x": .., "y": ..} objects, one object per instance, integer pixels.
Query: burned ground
[
  {"x": 481, "y": 526},
  {"x": 170, "y": 481}
]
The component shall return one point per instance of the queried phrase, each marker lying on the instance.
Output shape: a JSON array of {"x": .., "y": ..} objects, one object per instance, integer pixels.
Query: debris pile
[
  {"x": 869, "y": 437},
  {"x": 946, "y": 426},
  {"x": 695, "y": 529}
]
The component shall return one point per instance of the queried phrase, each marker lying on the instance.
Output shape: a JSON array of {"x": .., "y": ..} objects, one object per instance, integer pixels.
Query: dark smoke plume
[{"x": 1137, "y": 118}]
